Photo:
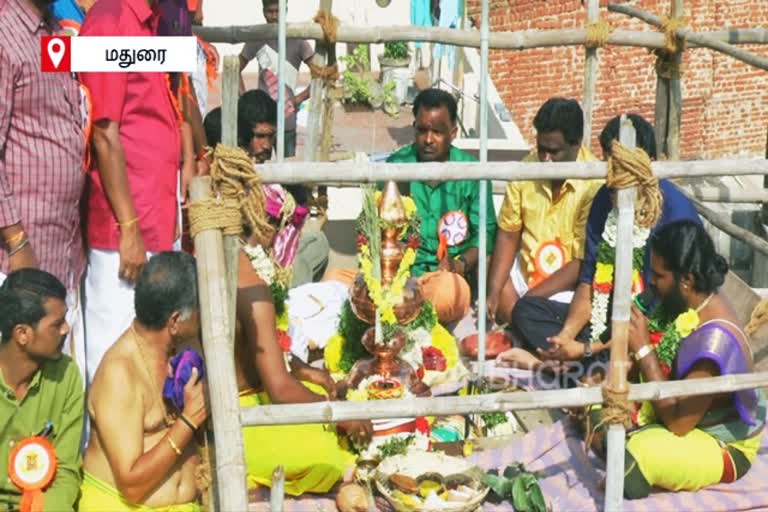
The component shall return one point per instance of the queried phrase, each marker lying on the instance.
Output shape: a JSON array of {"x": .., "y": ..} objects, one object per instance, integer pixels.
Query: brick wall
[{"x": 724, "y": 100}]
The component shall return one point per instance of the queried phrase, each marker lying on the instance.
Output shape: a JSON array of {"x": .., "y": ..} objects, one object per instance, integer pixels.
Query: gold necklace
[
  {"x": 704, "y": 304},
  {"x": 167, "y": 418}
]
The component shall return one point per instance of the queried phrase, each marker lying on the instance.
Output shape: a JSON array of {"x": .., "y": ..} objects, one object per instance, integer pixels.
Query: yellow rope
[
  {"x": 670, "y": 25},
  {"x": 758, "y": 318},
  {"x": 207, "y": 214},
  {"x": 233, "y": 177},
  {"x": 598, "y": 34},
  {"x": 329, "y": 24},
  {"x": 617, "y": 409},
  {"x": 630, "y": 168}
]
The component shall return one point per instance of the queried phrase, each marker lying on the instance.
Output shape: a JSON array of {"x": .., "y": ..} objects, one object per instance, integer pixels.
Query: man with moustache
[
  {"x": 448, "y": 254},
  {"x": 41, "y": 393},
  {"x": 42, "y": 149}
]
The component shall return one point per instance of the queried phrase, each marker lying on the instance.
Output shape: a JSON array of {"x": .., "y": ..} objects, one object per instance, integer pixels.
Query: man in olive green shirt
[
  {"x": 450, "y": 211},
  {"x": 41, "y": 391}
]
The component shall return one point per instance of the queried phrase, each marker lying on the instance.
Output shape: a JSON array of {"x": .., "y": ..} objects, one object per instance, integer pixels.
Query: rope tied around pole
[
  {"x": 330, "y": 25},
  {"x": 239, "y": 196},
  {"x": 668, "y": 65},
  {"x": 598, "y": 34},
  {"x": 758, "y": 318},
  {"x": 632, "y": 168},
  {"x": 617, "y": 410}
]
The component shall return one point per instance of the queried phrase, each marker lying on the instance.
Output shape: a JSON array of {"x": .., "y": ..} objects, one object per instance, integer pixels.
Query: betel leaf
[
  {"x": 520, "y": 499},
  {"x": 495, "y": 482},
  {"x": 513, "y": 470}
]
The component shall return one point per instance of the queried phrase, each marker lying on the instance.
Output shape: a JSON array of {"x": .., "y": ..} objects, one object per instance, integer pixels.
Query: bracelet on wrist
[
  {"x": 644, "y": 351},
  {"x": 188, "y": 422},
  {"x": 173, "y": 444},
  {"x": 19, "y": 247}
]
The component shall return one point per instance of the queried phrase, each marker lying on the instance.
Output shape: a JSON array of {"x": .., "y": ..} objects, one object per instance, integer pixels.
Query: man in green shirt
[
  {"x": 41, "y": 392},
  {"x": 450, "y": 211}
]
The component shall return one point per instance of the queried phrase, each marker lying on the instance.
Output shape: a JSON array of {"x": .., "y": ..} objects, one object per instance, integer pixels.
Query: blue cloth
[
  {"x": 675, "y": 207},
  {"x": 450, "y": 14},
  {"x": 182, "y": 366},
  {"x": 421, "y": 15},
  {"x": 68, "y": 12}
]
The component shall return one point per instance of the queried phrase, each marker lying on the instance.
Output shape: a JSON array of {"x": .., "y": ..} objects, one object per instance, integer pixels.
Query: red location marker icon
[{"x": 55, "y": 54}]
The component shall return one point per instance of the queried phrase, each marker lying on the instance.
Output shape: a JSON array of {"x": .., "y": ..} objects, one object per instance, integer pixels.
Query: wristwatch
[{"x": 644, "y": 351}]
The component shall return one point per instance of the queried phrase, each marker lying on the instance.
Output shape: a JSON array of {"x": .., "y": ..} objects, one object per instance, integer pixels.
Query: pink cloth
[{"x": 286, "y": 243}]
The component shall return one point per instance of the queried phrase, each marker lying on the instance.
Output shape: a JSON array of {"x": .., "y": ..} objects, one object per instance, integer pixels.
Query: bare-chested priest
[{"x": 140, "y": 452}]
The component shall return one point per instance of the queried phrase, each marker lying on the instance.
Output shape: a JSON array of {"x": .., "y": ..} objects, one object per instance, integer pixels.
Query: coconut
[{"x": 352, "y": 498}]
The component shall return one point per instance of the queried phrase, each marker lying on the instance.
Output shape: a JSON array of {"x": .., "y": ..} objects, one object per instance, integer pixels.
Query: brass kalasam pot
[{"x": 405, "y": 312}]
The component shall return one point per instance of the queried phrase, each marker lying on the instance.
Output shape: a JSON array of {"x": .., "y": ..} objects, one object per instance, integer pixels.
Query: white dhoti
[{"x": 521, "y": 285}]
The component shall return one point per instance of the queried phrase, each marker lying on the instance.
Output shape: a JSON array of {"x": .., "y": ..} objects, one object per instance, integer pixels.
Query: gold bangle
[
  {"x": 173, "y": 444},
  {"x": 15, "y": 238},
  {"x": 189, "y": 422},
  {"x": 128, "y": 223}
]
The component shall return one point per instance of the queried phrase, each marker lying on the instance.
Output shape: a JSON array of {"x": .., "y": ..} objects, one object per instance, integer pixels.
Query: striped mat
[{"x": 572, "y": 481}]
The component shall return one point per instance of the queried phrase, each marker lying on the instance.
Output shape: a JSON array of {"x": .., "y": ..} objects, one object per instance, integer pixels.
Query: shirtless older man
[{"x": 140, "y": 453}]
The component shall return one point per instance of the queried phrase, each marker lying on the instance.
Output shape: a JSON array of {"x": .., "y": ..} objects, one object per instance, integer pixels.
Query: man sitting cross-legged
[
  {"x": 41, "y": 393},
  {"x": 310, "y": 454},
  {"x": 688, "y": 443},
  {"x": 540, "y": 240},
  {"x": 579, "y": 333},
  {"x": 141, "y": 455}
]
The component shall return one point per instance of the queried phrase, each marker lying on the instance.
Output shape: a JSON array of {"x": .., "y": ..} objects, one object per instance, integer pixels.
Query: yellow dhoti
[
  {"x": 310, "y": 454},
  {"x": 99, "y": 496},
  {"x": 448, "y": 292}
]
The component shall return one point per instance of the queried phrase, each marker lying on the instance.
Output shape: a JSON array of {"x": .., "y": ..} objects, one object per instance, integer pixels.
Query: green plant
[
  {"x": 357, "y": 88},
  {"x": 396, "y": 50}
]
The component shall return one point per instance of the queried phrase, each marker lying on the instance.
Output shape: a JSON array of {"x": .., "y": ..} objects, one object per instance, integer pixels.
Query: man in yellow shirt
[{"x": 540, "y": 240}]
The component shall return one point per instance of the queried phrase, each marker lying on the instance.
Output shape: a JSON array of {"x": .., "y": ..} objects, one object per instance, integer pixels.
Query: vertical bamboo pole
[
  {"x": 590, "y": 75},
  {"x": 675, "y": 98},
  {"x": 230, "y": 94},
  {"x": 661, "y": 115},
  {"x": 324, "y": 56},
  {"x": 482, "y": 271},
  {"x": 622, "y": 293},
  {"x": 281, "y": 51},
  {"x": 277, "y": 490}
]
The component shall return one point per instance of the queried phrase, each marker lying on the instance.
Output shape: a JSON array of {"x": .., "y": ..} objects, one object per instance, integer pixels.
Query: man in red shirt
[{"x": 132, "y": 200}]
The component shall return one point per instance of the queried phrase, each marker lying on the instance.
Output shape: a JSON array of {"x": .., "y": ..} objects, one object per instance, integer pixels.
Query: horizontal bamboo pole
[
  {"x": 693, "y": 37},
  {"x": 727, "y": 195},
  {"x": 289, "y": 173},
  {"x": 518, "y": 40},
  {"x": 329, "y": 412}
]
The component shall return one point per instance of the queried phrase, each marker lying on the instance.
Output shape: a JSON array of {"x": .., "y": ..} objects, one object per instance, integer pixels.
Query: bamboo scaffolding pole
[
  {"x": 591, "y": 64},
  {"x": 281, "y": 51},
  {"x": 719, "y": 221},
  {"x": 218, "y": 346},
  {"x": 290, "y": 173},
  {"x": 675, "y": 112},
  {"x": 694, "y": 39},
  {"x": 330, "y": 412},
  {"x": 482, "y": 273},
  {"x": 277, "y": 490},
  {"x": 622, "y": 299},
  {"x": 325, "y": 55},
  {"x": 517, "y": 40}
]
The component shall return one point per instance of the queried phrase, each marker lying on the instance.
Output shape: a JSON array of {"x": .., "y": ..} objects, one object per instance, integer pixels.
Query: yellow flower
[
  {"x": 388, "y": 315},
  {"x": 604, "y": 273},
  {"x": 443, "y": 341},
  {"x": 410, "y": 206},
  {"x": 357, "y": 395},
  {"x": 686, "y": 323},
  {"x": 377, "y": 196},
  {"x": 281, "y": 322},
  {"x": 332, "y": 354}
]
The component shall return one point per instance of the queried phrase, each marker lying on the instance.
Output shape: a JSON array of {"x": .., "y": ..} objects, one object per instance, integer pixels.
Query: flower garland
[
  {"x": 665, "y": 336},
  {"x": 602, "y": 285},
  {"x": 277, "y": 280},
  {"x": 386, "y": 300}
]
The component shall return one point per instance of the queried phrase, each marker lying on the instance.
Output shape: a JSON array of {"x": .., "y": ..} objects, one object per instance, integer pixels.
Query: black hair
[
  {"x": 23, "y": 297},
  {"x": 435, "y": 98},
  {"x": 645, "y": 136},
  {"x": 686, "y": 247},
  {"x": 167, "y": 284},
  {"x": 254, "y": 107},
  {"x": 563, "y": 115},
  {"x": 212, "y": 125}
]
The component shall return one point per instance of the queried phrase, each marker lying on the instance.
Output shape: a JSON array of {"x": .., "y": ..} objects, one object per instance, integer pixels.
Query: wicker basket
[{"x": 418, "y": 463}]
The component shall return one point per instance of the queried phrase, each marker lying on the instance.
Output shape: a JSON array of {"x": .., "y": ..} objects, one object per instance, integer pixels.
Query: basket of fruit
[{"x": 430, "y": 482}]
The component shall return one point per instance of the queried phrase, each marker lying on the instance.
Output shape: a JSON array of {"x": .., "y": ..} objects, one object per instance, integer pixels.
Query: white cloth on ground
[{"x": 313, "y": 314}]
